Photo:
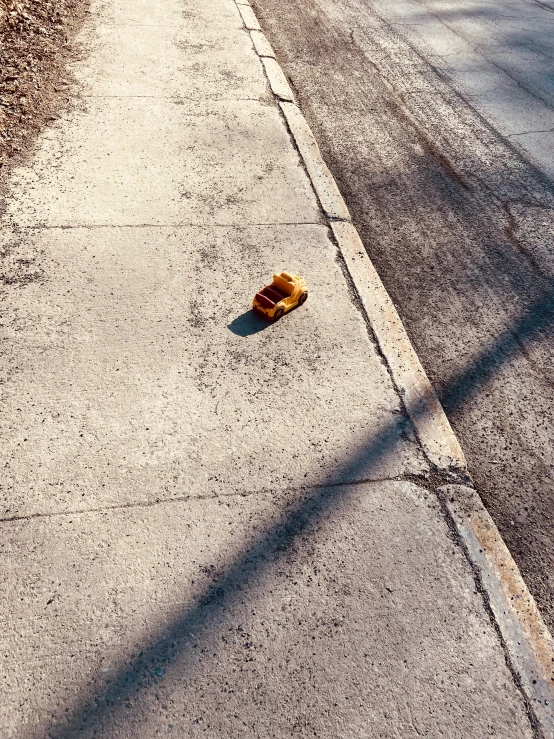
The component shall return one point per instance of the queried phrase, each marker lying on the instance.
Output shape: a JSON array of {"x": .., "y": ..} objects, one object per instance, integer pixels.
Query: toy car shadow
[{"x": 248, "y": 323}]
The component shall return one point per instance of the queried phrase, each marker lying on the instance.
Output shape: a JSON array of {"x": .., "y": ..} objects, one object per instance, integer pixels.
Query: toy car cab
[{"x": 285, "y": 292}]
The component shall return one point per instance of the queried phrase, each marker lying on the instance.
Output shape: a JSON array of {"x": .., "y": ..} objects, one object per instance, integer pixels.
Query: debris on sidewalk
[{"x": 200, "y": 517}]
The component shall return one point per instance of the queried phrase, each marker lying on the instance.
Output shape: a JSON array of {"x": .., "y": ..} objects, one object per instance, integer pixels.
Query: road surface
[{"x": 420, "y": 133}]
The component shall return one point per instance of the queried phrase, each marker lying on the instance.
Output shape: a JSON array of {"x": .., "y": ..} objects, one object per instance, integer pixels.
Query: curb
[
  {"x": 277, "y": 80},
  {"x": 323, "y": 182},
  {"x": 248, "y": 18},
  {"x": 527, "y": 641},
  {"x": 528, "y": 645},
  {"x": 262, "y": 45},
  {"x": 420, "y": 400}
]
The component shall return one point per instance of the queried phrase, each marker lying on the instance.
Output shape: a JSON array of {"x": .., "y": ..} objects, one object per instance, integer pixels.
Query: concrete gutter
[{"x": 528, "y": 645}]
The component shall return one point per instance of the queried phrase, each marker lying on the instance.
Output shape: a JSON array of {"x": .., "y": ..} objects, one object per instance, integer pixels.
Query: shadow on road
[{"x": 531, "y": 327}]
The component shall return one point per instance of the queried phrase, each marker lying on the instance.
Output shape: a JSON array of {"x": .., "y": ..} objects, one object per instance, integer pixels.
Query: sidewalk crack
[{"x": 303, "y": 490}]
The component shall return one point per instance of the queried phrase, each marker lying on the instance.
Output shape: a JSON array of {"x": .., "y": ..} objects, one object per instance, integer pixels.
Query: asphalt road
[
  {"x": 459, "y": 222},
  {"x": 499, "y": 55}
]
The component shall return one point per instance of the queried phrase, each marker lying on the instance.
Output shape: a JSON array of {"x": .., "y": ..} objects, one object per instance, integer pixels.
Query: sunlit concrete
[{"x": 209, "y": 524}]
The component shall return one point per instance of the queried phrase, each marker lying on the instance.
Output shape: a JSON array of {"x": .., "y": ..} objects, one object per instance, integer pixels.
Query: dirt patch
[{"x": 35, "y": 48}]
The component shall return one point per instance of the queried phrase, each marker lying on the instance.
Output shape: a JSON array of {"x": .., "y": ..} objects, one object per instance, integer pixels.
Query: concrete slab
[
  {"x": 172, "y": 13},
  {"x": 429, "y": 30},
  {"x": 142, "y": 374},
  {"x": 167, "y": 62},
  {"x": 248, "y": 17},
  {"x": 277, "y": 79},
  {"x": 190, "y": 163},
  {"x": 343, "y": 612},
  {"x": 261, "y": 44},
  {"x": 510, "y": 109}
]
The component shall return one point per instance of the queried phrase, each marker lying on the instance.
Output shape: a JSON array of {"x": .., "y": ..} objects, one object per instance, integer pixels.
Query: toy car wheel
[
  {"x": 278, "y": 314},
  {"x": 303, "y": 297}
]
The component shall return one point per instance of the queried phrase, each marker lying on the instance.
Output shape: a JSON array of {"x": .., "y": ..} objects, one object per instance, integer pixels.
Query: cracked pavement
[{"x": 499, "y": 56}]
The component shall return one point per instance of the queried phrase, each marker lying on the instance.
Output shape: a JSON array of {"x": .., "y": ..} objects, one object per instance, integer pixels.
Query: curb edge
[
  {"x": 527, "y": 641},
  {"x": 420, "y": 400},
  {"x": 277, "y": 80},
  {"x": 327, "y": 191}
]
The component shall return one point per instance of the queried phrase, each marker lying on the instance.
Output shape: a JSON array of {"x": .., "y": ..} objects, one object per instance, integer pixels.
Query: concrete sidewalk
[{"x": 212, "y": 526}]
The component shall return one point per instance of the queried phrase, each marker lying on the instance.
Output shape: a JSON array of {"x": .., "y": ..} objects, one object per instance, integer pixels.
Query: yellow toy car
[{"x": 285, "y": 292}]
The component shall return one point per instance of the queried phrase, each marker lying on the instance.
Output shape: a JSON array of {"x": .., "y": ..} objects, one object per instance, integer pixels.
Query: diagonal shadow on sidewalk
[{"x": 240, "y": 574}]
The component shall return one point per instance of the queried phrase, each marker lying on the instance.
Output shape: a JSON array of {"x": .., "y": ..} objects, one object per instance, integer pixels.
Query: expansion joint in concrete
[
  {"x": 304, "y": 490},
  {"x": 174, "y": 226},
  {"x": 188, "y": 99}
]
